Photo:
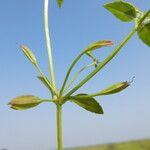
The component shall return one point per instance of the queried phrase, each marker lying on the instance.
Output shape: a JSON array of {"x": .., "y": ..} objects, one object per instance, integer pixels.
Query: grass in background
[{"x": 132, "y": 145}]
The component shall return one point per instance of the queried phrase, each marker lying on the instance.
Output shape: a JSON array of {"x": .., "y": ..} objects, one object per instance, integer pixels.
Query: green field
[{"x": 132, "y": 145}]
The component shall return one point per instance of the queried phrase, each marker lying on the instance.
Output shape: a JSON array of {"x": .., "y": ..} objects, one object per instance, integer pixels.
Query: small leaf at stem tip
[
  {"x": 113, "y": 89},
  {"x": 88, "y": 103},
  {"x": 95, "y": 61},
  {"x": 60, "y": 2},
  {"x": 98, "y": 44},
  {"x": 29, "y": 54},
  {"x": 43, "y": 80},
  {"x": 122, "y": 10},
  {"x": 24, "y": 102}
]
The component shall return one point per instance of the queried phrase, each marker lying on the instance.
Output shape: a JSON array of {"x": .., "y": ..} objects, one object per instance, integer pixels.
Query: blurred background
[{"x": 73, "y": 27}]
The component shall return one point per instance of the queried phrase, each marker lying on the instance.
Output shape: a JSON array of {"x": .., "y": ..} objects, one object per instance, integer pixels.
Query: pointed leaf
[
  {"x": 88, "y": 103},
  {"x": 113, "y": 89},
  {"x": 60, "y": 2},
  {"x": 144, "y": 33},
  {"x": 27, "y": 51},
  {"x": 122, "y": 10},
  {"x": 24, "y": 102},
  {"x": 98, "y": 44},
  {"x": 45, "y": 82}
]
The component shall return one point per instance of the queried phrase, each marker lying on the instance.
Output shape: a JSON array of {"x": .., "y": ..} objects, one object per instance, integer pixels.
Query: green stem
[
  {"x": 53, "y": 100},
  {"x": 59, "y": 126},
  {"x": 76, "y": 75},
  {"x": 52, "y": 76},
  {"x": 69, "y": 71},
  {"x": 48, "y": 43},
  {"x": 99, "y": 67}
]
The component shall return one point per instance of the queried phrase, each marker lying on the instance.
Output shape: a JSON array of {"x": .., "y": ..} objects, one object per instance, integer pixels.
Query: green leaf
[
  {"x": 24, "y": 102},
  {"x": 98, "y": 44},
  {"x": 122, "y": 10},
  {"x": 60, "y": 2},
  {"x": 113, "y": 89},
  {"x": 29, "y": 54},
  {"x": 144, "y": 33},
  {"x": 45, "y": 81},
  {"x": 88, "y": 103}
]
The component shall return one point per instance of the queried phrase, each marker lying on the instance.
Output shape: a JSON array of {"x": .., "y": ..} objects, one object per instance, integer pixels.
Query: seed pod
[
  {"x": 24, "y": 102},
  {"x": 113, "y": 89},
  {"x": 98, "y": 44},
  {"x": 29, "y": 54}
]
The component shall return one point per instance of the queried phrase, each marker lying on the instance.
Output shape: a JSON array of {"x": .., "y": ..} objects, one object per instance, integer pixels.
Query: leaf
[
  {"x": 144, "y": 33},
  {"x": 45, "y": 81},
  {"x": 98, "y": 44},
  {"x": 28, "y": 53},
  {"x": 88, "y": 103},
  {"x": 24, "y": 102},
  {"x": 60, "y": 2},
  {"x": 113, "y": 89},
  {"x": 122, "y": 10}
]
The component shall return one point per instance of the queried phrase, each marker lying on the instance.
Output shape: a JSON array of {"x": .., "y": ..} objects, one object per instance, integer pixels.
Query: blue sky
[{"x": 73, "y": 27}]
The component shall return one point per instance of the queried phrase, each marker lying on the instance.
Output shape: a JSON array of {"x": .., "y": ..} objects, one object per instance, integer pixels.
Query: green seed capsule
[
  {"x": 28, "y": 54},
  {"x": 113, "y": 89},
  {"x": 24, "y": 102}
]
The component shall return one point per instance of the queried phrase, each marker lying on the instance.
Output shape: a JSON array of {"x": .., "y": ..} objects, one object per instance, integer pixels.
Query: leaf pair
[{"x": 126, "y": 12}]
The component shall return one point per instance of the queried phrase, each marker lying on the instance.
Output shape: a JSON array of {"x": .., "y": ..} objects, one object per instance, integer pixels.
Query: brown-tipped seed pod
[{"x": 98, "y": 44}]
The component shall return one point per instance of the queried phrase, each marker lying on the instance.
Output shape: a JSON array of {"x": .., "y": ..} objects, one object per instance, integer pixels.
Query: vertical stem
[
  {"x": 48, "y": 42},
  {"x": 59, "y": 126},
  {"x": 51, "y": 68}
]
